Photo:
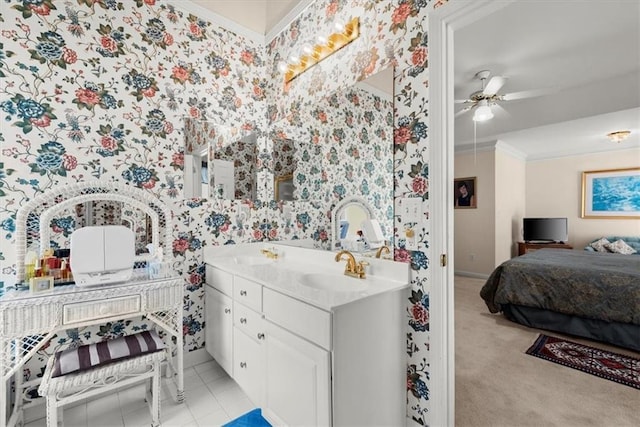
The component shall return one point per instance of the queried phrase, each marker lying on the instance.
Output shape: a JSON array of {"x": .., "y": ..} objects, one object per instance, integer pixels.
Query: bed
[{"x": 587, "y": 294}]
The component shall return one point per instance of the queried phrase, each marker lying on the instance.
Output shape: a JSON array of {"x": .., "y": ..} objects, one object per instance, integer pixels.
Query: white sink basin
[
  {"x": 333, "y": 282},
  {"x": 245, "y": 260}
]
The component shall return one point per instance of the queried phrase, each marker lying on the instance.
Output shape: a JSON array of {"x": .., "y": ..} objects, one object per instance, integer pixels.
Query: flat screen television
[{"x": 545, "y": 230}]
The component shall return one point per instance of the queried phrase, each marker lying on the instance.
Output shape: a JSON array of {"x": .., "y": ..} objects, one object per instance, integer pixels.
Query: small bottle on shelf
[{"x": 37, "y": 270}]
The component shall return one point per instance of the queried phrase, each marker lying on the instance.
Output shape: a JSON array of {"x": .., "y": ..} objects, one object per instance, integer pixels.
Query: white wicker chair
[{"x": 66, "y": 389}]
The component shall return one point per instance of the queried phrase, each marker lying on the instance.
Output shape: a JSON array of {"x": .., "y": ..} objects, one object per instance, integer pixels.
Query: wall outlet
[{"x": 411, "y": 242}]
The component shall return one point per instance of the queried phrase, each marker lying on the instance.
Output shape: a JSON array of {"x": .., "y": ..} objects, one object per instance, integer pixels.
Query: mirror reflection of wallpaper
[
  {"x": 284, "y": 161},
  {"x": 197, "y": 133},
  {"x": 350, "y": 141},
  {"x": 242, "y": 151},
  {"x": 243, "y": 154}
]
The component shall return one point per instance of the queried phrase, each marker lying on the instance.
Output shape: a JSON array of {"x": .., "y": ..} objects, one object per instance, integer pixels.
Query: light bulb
[
  {"x": 282, "y": 66},
  {"x": 307, "y": 49},
  {"x": 483, "y": 112},
  {"x": 322, "y": 40},
  {"x": 294, "y": 59},
  {"x": 338, "y": 25}
]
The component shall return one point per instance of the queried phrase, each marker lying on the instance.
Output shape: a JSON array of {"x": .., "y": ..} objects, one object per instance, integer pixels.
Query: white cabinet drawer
[
  {"x": 302, "y": 319},
  {"x": 248, "y": 321},
  {"x": 248, "y": 293},
  {"x": 221, "y": 280},
  {"x": 83, "y": 311}
]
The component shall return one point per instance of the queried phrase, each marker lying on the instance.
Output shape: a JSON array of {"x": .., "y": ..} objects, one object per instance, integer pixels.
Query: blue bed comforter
[{"x": 587, "y": 284}]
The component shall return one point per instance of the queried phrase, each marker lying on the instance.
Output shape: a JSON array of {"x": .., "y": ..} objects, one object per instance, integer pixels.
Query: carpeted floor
[{"x": 498, "y": 384}]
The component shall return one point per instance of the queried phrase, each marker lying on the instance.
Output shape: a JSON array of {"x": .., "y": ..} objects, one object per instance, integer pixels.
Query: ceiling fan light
[{"x": 483, "y": 112}]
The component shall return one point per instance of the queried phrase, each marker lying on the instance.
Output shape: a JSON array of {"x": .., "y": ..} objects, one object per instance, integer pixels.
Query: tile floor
[{"x": 212, "y": 398}]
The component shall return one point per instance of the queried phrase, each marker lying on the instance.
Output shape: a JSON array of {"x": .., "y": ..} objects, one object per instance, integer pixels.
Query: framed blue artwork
[{"x": 613, "y": 194}]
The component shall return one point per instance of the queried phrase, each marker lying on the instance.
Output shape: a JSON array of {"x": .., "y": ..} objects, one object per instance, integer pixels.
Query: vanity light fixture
[
  {"x": 618, "y": 136},
  {"x": 324, "y": 47}
]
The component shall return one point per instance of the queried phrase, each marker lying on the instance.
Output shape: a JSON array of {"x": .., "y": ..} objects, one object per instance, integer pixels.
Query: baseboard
[
  {"x": 196, "y": 357},
  {"x": 471, "y": 274}
]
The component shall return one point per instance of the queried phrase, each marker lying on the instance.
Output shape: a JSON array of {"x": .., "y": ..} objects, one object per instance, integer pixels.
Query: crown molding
[
  {"x": 227, "y": 24},
  {"x": 288, "y": 19},
  {"x": 511, "y": 150},
  {"x": 577, "y": 153},
  {"x": 477, "y": 147},
  {"x": 494, "y": 145}
]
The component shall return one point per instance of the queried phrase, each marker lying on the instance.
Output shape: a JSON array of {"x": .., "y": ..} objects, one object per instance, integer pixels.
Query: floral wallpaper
[{"x": 97, "y": 89}]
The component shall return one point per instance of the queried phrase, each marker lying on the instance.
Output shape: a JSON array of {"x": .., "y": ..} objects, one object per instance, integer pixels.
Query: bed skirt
[{"x": 625, "y": 335}]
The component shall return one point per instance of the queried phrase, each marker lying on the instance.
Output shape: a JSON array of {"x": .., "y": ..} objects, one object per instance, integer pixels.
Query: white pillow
[
  {"x": 600, "y": 245},
  {"x": 620, "y": 247}
]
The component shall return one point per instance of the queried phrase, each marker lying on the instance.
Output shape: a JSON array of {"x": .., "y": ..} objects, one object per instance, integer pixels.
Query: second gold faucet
[{"x": 353, "y": 268}]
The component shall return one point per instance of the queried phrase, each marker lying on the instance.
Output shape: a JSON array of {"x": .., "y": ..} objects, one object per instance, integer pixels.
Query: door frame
[{"x": 442, "y": 24}]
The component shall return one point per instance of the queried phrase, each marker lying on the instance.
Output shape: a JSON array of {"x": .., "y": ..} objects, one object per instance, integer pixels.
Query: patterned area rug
[
  {"x": 250, "y": 419},
  {"x": 604, "y": 364}
]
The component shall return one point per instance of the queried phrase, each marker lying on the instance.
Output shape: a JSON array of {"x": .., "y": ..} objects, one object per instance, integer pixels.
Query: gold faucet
[
  {"x": 384, "y": 248},
  {"x": 269, "y": 253},
  {"x": 352, "y": 268}
]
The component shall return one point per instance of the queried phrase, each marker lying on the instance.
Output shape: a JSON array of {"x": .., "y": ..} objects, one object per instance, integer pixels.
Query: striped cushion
[{"x": 91, "y": 355}]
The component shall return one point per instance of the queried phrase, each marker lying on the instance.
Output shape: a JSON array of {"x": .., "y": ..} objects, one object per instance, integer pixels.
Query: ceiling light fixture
[
  {"x": 618, "y": 136},
  {"x": 483, "y": 112},
  {"x": 325, "y": 46}
]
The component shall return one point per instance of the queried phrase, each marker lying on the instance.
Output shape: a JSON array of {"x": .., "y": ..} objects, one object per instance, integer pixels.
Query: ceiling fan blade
[
  {"x": 494, "y": 85},
  {"x": 464, "y": 110},
  {"x": 527, "y": 94},
  {"x": 500, "y": 110},
  {"x": 463, "y": 101}
]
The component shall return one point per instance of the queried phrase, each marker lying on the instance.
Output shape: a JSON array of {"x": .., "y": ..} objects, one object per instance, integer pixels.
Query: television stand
[{"x": 526, "y": 247}]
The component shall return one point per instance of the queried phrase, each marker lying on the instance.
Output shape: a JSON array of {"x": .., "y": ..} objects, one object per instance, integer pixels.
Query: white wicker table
[{"x": 28, "y": 321}]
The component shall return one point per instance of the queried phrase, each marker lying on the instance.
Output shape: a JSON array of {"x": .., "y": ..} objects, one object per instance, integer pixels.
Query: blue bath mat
[{"x": 250, "y": 419}]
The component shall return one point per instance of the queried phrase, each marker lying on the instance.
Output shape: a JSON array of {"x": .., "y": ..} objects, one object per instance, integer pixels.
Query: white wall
[
  {"x": 474, "y": 240},
  {"x": 554, "y": 189},
  {"x": 510, "y": 204}
]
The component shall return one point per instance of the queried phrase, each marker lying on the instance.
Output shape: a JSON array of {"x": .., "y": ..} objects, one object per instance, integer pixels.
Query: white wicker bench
[{"x": 65, "y": 389}]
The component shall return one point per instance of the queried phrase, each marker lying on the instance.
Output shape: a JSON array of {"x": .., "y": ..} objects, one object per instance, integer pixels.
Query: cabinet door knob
[
  {"x": 227, "y": 310},
  {"x": 243, "y": 293},
  {"x": 243, "y": 320},
  {"x": 260, "y": 336},
  {"x": 243, "y": 364}
]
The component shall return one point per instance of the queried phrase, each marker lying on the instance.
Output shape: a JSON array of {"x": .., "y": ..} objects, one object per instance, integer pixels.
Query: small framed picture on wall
[{"x": 464, "y": 193}]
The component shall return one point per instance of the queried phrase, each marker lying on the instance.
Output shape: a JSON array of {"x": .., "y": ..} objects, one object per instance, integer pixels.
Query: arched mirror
[
  {"x": 347, "y": 221},
  {"x": 47, "y": 221}
]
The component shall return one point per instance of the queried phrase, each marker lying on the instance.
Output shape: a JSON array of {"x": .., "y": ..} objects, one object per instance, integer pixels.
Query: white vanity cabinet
[
  {"x": 342, "y": 368},
  {"x": 248, "y": 338},
  {"x": 311, "y": 364},
  {"x": 219, "y": 317},
  {"x": 235, "y": 329}
]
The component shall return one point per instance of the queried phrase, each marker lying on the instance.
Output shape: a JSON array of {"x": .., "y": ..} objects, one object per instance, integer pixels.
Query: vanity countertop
[{"x": 295, "y": 266}]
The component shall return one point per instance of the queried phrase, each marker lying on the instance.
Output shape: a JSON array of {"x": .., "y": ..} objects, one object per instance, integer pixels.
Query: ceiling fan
[{"x": 483, "y": 99}]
